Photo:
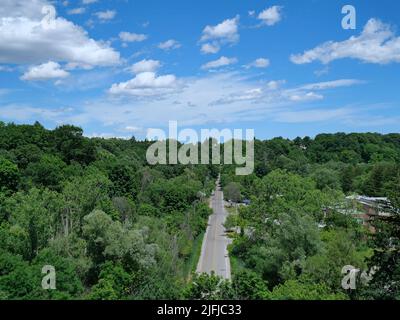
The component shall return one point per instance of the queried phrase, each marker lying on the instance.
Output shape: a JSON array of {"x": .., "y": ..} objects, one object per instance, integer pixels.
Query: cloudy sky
[{"x": 284, "y": 68}]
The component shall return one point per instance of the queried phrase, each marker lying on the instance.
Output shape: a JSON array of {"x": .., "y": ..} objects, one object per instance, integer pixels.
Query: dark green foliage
[
  {"x": 124, "y": 180},
  {"x": 248, "y": 285},
  {"x": 9, "y": 176},
  {"x": 72, "y": 146},
  {"x": 378, "y": 180},
  {"x": 47, "y": 172},
  {"x": 114, "y": 283}
]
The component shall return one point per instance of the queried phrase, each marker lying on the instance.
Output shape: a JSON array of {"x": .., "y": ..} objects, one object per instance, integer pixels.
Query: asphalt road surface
[{"x": 214, "y": 253}]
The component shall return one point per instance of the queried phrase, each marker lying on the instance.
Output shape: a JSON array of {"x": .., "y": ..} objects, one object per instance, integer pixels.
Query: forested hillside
[
  {"x": 113, "y": 227},
  {"x": 300, "y": 233},
  {"x": 116, "y": 228}
]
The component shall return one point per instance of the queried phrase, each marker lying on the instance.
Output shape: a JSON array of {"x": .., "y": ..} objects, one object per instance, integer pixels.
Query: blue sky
[{"x": 283, "y": 68}]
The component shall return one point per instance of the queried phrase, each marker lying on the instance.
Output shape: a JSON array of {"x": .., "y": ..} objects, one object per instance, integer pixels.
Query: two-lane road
[{"x": 214, "y": 253}]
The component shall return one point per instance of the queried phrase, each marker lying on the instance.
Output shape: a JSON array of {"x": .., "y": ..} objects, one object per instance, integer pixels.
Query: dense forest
[{"x": 115, "y": 227}]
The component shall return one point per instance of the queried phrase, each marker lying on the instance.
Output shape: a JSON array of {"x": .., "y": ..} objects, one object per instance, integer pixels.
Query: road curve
[{"x": 214, "y": 253}]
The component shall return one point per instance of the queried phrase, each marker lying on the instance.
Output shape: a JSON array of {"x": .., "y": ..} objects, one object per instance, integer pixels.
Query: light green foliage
[
  {"x": 33, "y": 219},
  {"x": 340, "y": 248},
  {"x": 326, "y": 178},
  {"x": 282, "y": 248},
  {"x": 303, "y": 290},
  {"x": 82, "y": 196},
  {"x": 208, "y": 287},
  {"x": 108, "y": 239}
]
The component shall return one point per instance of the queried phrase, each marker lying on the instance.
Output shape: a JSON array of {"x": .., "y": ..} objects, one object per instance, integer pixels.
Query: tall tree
[
  {"x": 385, "y": 282},
  {"x": 9, "y": 175}
]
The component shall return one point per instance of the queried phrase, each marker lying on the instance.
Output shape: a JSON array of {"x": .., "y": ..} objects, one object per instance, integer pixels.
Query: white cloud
[
  {"x": 308, "y": 96},
  {"x": 46, "y": 71},
  {"x": 145, "y": 84},
  {"x": 305, "y": 93},
  {"x": 226, "y": 31},
  {"x": 229, "y": 98},
  {"x": 223, "y": 33},
  {"x": 210, "y": 48},
  {"x": 376, "y": 44},
  {"x": 36, "y": 37},
  {"x": 174, "y": 106},
  {"x": 221, "y": 62},
  {"x": 270, "y": 16},
  {"x": 273, "y": 92},
  {"x": 169, "y": 45},
  {"x": 22, "y": 8},
  {"x": 76, "y": 11},
  {"x": 259, "y": 63},
  {"x": 89, "y": 1},
  {"x": 107, "y": 135},
  {"x": 332, "y": 84},
  {"x": 106, "y": 15},
  {"x": 25, "y": 113},
  {"x": 145, "y": 66},
  {"x": 248, "y": 95},
  {"x": 132, "y": 37},
  {"x": 133, "y": 129}
]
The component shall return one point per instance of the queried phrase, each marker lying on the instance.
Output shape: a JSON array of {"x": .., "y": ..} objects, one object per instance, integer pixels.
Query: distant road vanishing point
[{"x": 214, "y": 252}]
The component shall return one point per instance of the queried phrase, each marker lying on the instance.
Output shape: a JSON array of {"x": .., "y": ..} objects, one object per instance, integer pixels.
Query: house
[{"x": 364, "y": 208}]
